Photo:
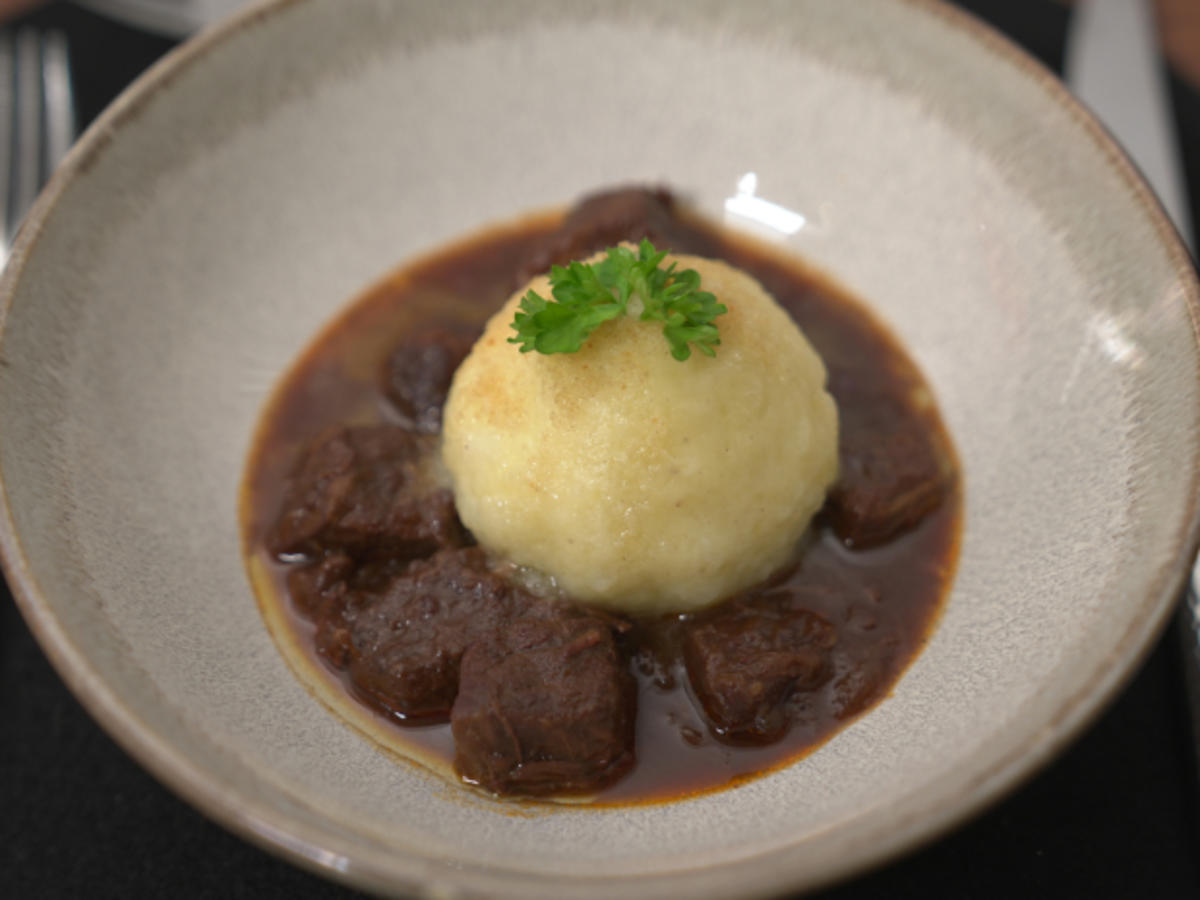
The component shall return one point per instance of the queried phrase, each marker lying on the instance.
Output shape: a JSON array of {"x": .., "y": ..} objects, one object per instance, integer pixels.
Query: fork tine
[
  {"x": 8, "y": 137},
  {"x": 37, "y": 109},
  {"x": 26, "y": 174},
  {"x": 59, "y": 109}
]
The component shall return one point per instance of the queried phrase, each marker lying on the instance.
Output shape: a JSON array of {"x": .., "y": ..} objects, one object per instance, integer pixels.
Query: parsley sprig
[{"x": 587, "y": 295}]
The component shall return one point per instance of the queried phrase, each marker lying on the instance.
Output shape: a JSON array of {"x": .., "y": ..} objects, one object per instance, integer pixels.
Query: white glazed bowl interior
[{"x": 237, "y": 198}]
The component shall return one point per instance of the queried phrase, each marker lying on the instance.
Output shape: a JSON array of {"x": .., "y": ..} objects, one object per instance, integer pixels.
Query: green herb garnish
[{"x": 586, "y": 296}]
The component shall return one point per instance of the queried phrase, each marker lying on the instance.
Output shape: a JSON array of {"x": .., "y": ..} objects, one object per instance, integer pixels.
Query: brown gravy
[{"x": 893, "y": 591}]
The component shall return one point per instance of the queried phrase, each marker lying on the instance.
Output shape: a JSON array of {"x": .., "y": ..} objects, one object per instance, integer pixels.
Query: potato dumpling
[{"x": 637, "y": 482}]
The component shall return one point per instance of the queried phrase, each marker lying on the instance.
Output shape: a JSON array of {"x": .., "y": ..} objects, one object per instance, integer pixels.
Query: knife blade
[{"x": 1113, "y": 65}]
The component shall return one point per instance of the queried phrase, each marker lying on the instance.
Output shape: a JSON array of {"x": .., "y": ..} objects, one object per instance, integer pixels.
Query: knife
[{"x": 1113, "y": 65}]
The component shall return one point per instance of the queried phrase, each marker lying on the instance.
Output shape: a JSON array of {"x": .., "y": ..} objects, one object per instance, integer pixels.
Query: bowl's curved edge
[
  {"x": 120, "y": 722},
  {"x": 1117, "y": 670},
  {"x": 286, "y": 836}
]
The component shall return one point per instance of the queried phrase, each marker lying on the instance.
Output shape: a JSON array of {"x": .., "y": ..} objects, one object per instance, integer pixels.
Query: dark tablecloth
[{"x": 1116, "y": 815}]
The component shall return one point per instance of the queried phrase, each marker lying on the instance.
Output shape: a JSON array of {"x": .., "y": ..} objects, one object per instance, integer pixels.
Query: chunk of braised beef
[
  {"x": 319, "y": 586},
  {"x": 407, "y": 640},
  {"x": 363, "y": 490},
  {"x": 545, "y": 707},
  {"x": 319, "y": 591},
  {"x": 602, "y": 220},
  {"x": 418, "y": 372},
  {"x": 749, "y": 657},
  {"x": 893, "y": 470}
]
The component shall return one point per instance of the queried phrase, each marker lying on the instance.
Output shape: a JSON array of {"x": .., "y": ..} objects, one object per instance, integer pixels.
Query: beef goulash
[{"x": 670, "y": 535}]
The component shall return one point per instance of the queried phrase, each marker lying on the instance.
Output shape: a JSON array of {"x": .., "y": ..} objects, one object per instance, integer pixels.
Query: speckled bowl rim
[{"x": 764, "y": 874}]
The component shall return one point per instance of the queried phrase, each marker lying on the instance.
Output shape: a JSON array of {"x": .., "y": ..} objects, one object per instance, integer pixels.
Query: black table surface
[{"x": 1115, "y": 815}]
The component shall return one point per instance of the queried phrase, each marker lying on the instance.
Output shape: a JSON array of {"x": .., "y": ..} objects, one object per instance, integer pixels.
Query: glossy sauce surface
[{"x": 883, "y": 602}]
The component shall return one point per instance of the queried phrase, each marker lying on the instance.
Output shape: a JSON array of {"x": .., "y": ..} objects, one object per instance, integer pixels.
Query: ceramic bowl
[{"x": 255, "y": 181}]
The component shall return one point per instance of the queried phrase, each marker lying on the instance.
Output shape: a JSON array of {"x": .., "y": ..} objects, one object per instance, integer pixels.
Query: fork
[{"x": 37, "y": 120}]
